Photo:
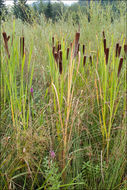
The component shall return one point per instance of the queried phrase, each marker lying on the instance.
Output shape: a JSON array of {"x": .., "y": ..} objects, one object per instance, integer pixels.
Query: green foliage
[{"x": 21, "y": 10}]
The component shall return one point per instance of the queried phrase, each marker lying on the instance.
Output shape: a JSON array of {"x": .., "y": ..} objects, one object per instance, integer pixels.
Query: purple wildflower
[
  {"x": 31, "y": 90},
  {"x": 52, "y": 154}
]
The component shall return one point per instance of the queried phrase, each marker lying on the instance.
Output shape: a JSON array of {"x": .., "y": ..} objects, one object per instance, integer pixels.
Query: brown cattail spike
[
  {"x": 78, "y": 47},
  {"x": 60, "y": 63},
  {"x": 90, "y": 59},
  {"x": 103, "y": 34},
  {"x": 107, "y": 55},
  {"x": 6, "y": 43},
  {"x": 125, "y": 49},
  {"x": 67, "y": 53},
  {"x": 53, "y": 41},
  {"x": 53, "y": 50},
  {"x": 77, "y": 36},
  {"x": 56, "y": 57},
  {"x": 83, "y": 49},
  {"x": 84, "y": 60},
  {"x": 22, "y": 49},
  {"x": 104, "y": 45},
  {"x": 119, "y": 50},
  {"x": 120, "y": 65},
  {"x": 117, "y": 47},
  {"x": 59, "y": 47}
]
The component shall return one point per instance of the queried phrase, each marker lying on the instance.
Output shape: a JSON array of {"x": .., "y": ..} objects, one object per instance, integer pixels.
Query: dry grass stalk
[
  {"x": 22, "y": 46},
  {"x": 120, "y": 65},
  {"x": 6, "y": 43},
  {"x": 77, "y": 36},
  {"x": 107, "y": 55},
  {"x": 83, "y": 49},
  {"x": 67, "y": 53}
]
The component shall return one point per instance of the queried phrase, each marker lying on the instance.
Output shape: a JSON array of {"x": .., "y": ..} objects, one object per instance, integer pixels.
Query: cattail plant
[
  {"x": 83, "y": 49},
  {"x": 107, "y": 54},
  {"x": 90, "y": 59},
  {"x": 119, "y": 51},
  {"x": 60, "y": 62},
  {"x": 78, "y": 47},
  {"x": 77, "y": 36},
  {"x": 84, "y": 60},
  {"x": 103, "y": 34},
  {"x": 6, "y": 38},
  {"x": 56, "y": 57},
  {"x": 120, "y": 65},
  {"x": 67, "y": 52},
  {"x": 125, "y": 49},
  {"x": 53, "y": 41},
  {"x": 104, "y": 44},
  {"x": 117, "y": 47},
  {"x": 22, "y": 46},
  {"x": 53, "y": 50}
]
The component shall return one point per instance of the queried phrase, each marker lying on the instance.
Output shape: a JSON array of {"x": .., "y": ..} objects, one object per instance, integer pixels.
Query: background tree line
[{"x": 53, "y": 11}]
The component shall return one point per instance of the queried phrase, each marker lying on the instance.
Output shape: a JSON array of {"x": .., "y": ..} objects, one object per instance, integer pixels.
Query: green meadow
[{"x": 63, "y": 101}]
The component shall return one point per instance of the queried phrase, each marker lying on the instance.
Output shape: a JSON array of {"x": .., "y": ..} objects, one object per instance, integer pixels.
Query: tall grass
[{"x": 63, "y": 112}]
